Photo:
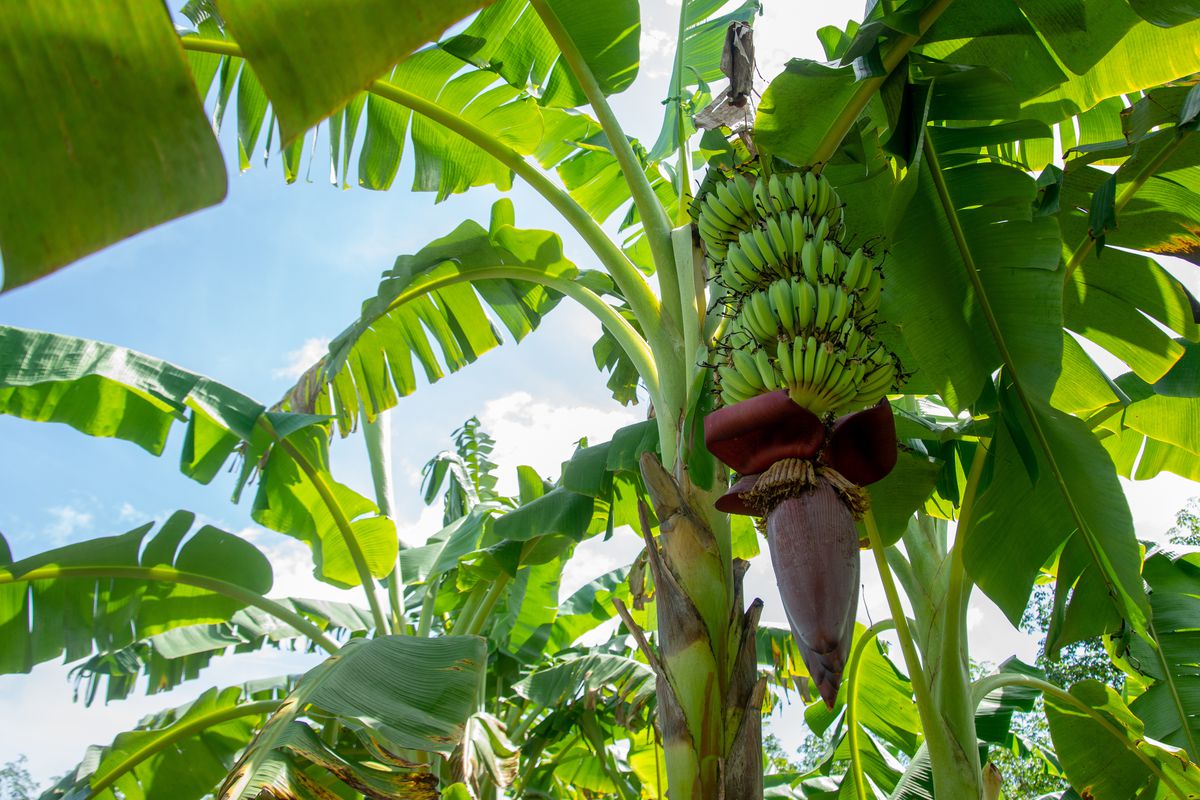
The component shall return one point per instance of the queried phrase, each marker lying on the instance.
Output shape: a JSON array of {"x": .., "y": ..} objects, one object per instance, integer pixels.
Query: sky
[{"x": 249, "y": 292}]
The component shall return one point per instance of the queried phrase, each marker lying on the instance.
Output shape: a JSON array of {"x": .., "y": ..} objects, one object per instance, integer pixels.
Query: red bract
[
  {"x": 806, "y": 483},
  {"x": 752, "y": 435}
]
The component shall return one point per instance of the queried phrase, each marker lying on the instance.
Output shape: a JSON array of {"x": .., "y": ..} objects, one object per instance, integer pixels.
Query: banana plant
[{"x": 931, "y": 132}]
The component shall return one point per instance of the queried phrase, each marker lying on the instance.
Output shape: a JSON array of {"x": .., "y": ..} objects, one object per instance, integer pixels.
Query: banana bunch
[
  {"x": 804, "y": 309},
  {"x": 736, "y": 206}
]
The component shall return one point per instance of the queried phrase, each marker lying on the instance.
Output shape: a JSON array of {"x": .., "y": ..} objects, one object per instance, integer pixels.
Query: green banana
[
  {"x": 765, "y": 368},
  {"x": 780, "y": 293},
  {"x": 806, "y": 302},
  {"x": 783, "y": 357},
  {"x": 743, "y": 362},
  {"x": 821, "y": 364},
  {"x": 808, "y": 261},
  {"x": 869, "y": 302},
  {"x": 730, "y": 200},
  {"x": 796, "y": 224},
  {"x": 824, "y": 305},
  {"x": 731, "y": 379},
  {"x": 841, "y": 308},
  {"x": 744, "y": 193},
  {"x": 856, "y": 270},
  {"x": 779, "y": 242},
  {"x": 811, "y": 190},
  {"x": 829, "y": 261},
  {"x": 719, "y": 215},
  {"x": 762, "y": 198},
  {"x": 750, "y": 249},
  {"x": 821, "y": 233},
  {"x": 810, "y": 360},
  {"x": 765, "y": 246}
]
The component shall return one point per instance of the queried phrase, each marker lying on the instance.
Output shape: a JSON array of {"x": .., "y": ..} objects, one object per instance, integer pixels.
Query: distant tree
[
  {"x": 1187, "y": 524},
  {"x": 15, "y": 781}
]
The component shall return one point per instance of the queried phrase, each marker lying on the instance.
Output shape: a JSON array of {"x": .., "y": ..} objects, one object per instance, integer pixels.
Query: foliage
[
  {"x": 1186, "y": 530},
  {"x": 935, "y": 120},
  {"x": 15, "y": 783}
]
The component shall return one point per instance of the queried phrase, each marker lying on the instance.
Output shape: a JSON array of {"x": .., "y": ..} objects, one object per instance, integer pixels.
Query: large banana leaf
[
  {"x": 105, "y": 390},
  {"x": 697, "y": 64},
  {"x": 1156, "y": 429},
  {"x": 102, "y": 593},
  {"x": 510, "y": 38},
  {"x": 314, "y": 55},
  {"x": 436, "y": 295},
  {"x": 177, "y": 754},
  {"x": 593, "y": 678},
  {"x": 1170, "y": 706},
  {"x": 885, "y": 707},
  {"x": 1021, "y": 521},
  {"x": 180, "y": 654},
  {"x": 1105, "y": 753},
  {"x": 391, "y": 693},
  {"x": 112, "y": 137}
]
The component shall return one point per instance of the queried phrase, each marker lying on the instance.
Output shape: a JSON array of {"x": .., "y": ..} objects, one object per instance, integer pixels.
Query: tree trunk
[{"x": 709, "y": 694}]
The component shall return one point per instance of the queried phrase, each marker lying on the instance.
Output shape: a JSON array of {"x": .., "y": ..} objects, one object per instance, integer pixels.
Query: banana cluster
[{"x": 804, "y": 310}]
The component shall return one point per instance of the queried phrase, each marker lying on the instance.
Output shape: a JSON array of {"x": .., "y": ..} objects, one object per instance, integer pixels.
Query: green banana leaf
[
  {"x": 1170, "y": 705},
  {"x": 577, "y": 679},
  {"x": 311, "y": 69},
  {"x": 102, "y": 594},
  {"x": 697, "y": 65},
  {"x": 112, "y": 138},
  {"x": 177, "y": 754},
  {"x": 390, "y": 693},
  {"x": 181, "y": 654},
  {"x": 1105, "y": 753},
  {"x": 436, "y": 295},
  {"x": 511, "y": 39},
  {"x": 105, "y": 390},
  {"x": 886, "y": 708}
]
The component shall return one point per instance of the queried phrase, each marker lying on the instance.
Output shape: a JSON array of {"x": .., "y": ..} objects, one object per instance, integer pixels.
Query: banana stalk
[{"x": 711, "y": 730}]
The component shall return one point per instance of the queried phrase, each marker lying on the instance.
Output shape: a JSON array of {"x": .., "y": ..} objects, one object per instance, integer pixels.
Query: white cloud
[
  {"x": 658, "y": 50},
  {"x": 302, "y": 358},
  {"x": 130, "y": 513},
  {"x": 541, "y": 435},
  {"x": 68, "y": 521}
]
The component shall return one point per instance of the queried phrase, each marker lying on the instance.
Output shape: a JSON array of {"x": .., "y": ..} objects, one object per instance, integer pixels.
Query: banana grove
[{"x": 864, "y": 296}]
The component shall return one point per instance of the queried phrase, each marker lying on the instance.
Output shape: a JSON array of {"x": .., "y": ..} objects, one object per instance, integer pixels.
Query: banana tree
[
  {"x": 165, "y": 605},
  {"x": 925, "y": 124}
]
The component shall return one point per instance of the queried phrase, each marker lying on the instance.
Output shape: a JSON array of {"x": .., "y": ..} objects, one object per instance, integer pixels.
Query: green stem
[
  {"x": 340, "y": 521},
  {"x": 691, "y": 301},
  {"x": 644, "y": 304},
  {"x": 466, "y": 613},
  {"x": 856, "y": 767},
  {"x": 377, "y": 434},
  {"x": 866, "y": 88},
  {"x": 985, "y": 686},
  {"x": 683, "y": 170},
  {"x": 958, "y": 591},
  {"x": 1127, "y": 193},
  {"x": 1135, "y": 614},
  {"x": 175, "y": 734},
  {"x": 654, "y": 219},
  {"x": 426, "y": 620},
  {"x": 659, "y": 328},
  {"x": 172, "y": 575},
  {"x": 488, "y": 605},
  {"x": 916, "y": 673}
]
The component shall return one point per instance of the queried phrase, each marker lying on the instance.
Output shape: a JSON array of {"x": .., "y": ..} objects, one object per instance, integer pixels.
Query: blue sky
[{"x": 252, "y": 287}]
